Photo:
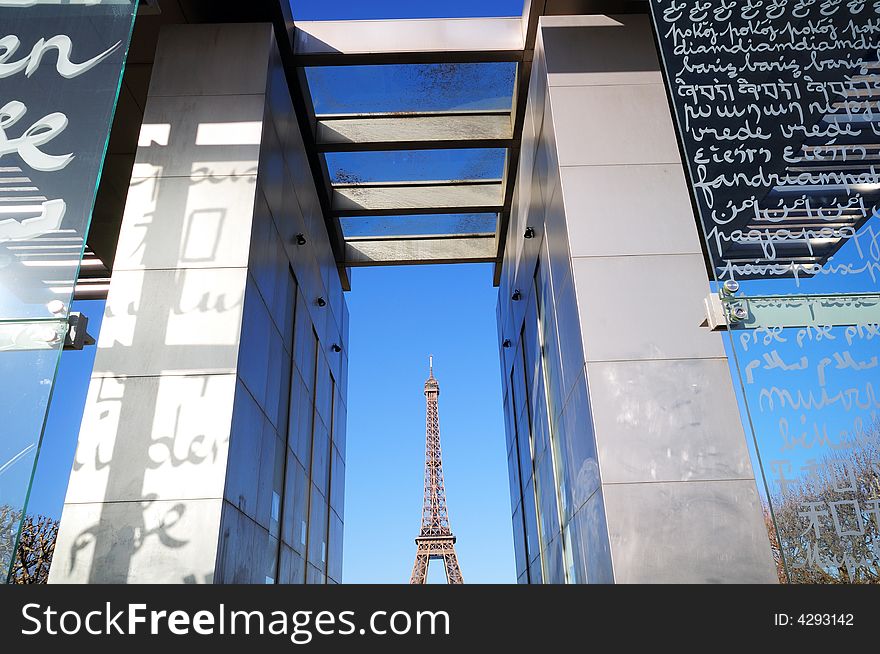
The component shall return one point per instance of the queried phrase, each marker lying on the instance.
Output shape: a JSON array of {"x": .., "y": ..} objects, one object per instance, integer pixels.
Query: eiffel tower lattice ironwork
[{"x": 435, "y": 540}]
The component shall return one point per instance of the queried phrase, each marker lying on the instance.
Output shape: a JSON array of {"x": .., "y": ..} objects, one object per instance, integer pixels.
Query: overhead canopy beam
[
  {"x": 414, "y": 131},
  {"x": 408, "y": 198},
  {"x": 445, "y": 40},
  {"x": 398, "y": 251}
]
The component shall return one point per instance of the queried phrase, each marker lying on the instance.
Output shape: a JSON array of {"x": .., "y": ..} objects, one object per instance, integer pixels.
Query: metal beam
[
  {"x": 348, "y": 42},
  {"x": 408, "y": 198},
  {"x": 305, "y": 116},
  {"x": 414, "y": 131},
  {"x": 532, "y": 12},
  {"x": 420, "y": 250}
]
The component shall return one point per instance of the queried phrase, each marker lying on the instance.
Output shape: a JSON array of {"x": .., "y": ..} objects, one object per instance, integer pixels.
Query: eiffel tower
[{"x": 435, "y": 540}]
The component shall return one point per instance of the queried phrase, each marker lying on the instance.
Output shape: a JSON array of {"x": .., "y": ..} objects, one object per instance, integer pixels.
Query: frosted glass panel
[{"x": 59, "y": 80}]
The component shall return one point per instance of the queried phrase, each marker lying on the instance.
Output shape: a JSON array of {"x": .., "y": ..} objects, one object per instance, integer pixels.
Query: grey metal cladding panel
[
  {"x": 279, "y": 103},
  {"x": 295, "y": 500},
  {"x": 271, "y": 172},
  {"x": 254, "y": 351},
  {"x": 667, "y": 421},
  {"x": 547, "y": 160},
  {"x": 513, "y": 476},
  {"x": 613, "y": 125},
  {"x": 186, "y": 222},
  {"x": 553, "y": 562},
  {"x": 646, "y": 307},
  {"x": 538, "y": 85},
  {"x": 245, "y": 444},
  {"x": 231, "y": 59},
  {"x": 201, "y": 334},
  {"x": 266, "y": 477},
  {"x": 577, "y": 441},
  {"x": 688, "y": 532},
  {"x": 592, "y": 50},
  {"x": 106, "y": 543},
  {"x": 556, "y": 236},
  {"x": 293, "y": 568},
  {"x": 290, "y": 221},
  {"x": 174, "y": 431},
  {"x": 568, "y": 325},
  {"x": 519, "y": 541},
  {"x": 244, "y": 551},
  {"x": 213, "y": 136},
  {"x": 624, "y": 210}
]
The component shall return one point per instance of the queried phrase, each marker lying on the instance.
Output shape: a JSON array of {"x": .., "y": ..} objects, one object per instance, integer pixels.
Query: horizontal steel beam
[
  {"x": 347, "y": 42},
  {"x": 408, "y": 198},
  {"x": 397, "y": 252},
  {"x": 396, "y": 131}
]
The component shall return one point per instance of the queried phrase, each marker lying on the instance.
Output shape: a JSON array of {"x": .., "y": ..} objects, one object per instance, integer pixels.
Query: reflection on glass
[
  {"x": 61, "y": 70},
  {"x": 29, "y": 354}
]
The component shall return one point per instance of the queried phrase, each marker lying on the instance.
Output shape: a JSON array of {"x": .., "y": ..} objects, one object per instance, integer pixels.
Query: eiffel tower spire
[{"x": 435, "y": 539}]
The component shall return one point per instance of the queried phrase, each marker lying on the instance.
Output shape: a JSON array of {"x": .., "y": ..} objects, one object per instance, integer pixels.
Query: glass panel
[
  {"x": 782, "y": 152},
  {"x": 530, "y": 516},
  {"x": 519, "y": 541},
  {"x": 321, "y": 457},
  {"x": 334, "y": 565},
  {"x": 29, "y": 354},
  {"x": 293, "y": 568},
  {"x": 300, "y": 420},
  {"x": 547, "y": 510},
  {"x": 317, "y": 554},
  {"x": 295, "y": 505},
  {"x": 337, "y": 484},
  {"x": 513, "y": 478},
  {"x": 411, "y": 87},
  {"x": 424, "y": 225},
  {"x": 61, "y": 69},
  {"x": 416, "y": 165}
]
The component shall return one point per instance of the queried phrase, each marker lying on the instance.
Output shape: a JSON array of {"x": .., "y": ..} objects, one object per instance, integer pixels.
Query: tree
[
  {"x": 36, "y": 545},
  {"x": 827, "y": 523}
]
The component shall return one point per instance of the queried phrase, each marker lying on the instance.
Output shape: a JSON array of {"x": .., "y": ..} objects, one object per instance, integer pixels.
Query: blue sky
[{"x": 398, "y": 317}]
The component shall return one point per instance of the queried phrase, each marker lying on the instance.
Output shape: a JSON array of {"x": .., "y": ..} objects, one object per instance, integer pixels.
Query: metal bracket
[
  {"x": 724, "y": 309},
  {"x": 77, "y": 332},
  {"x": 716, "y": 314}
]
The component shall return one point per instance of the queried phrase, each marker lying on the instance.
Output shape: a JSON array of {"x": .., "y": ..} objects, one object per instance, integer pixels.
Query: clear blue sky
[{"x": 398, "y": 317}]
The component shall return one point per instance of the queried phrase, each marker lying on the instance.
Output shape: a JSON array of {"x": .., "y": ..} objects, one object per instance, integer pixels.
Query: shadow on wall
[{"x": 149, "y": 471}]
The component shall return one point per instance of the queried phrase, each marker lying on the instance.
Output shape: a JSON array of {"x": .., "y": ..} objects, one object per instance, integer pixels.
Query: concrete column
[
  {"x": 658, "y": 467},
  {"x": 188, "y": 398},
  {"x": 680, "y": 496}
]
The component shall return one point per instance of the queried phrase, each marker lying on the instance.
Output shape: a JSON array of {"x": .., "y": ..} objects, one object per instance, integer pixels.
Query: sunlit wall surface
[
  {"x": 780, "y": 128},
  {"x": 60, "y": 71},
  {"x": 216, "y": 407},
  {"x": 622, "y": 420}
]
